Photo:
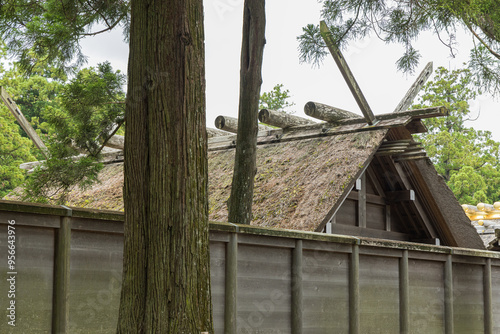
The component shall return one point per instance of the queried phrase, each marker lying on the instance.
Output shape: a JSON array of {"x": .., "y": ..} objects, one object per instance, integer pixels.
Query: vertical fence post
[
  {"x": 62, "y": 249},
  {"x": 230, "y": 310},
  {"x": 404, "y": 294},
  {"x": 488, "y": 311},
  {"x": 297, "y": 307},
  {"x": 354, "y": 291},
  {"x": 448, "y": 295}
]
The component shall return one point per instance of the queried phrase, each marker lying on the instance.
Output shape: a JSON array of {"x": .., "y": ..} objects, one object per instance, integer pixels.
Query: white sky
[{"x": 371, "y": 61}]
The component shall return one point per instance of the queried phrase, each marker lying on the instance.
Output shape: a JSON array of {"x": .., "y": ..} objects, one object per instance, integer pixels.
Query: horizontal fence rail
[{"x": 68, "y": 266}]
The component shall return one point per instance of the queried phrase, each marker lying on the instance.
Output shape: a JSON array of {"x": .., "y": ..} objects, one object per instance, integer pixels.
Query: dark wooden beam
[
  {"x": 362, "y": 202},
  {"x": 417, "y": 205},
  {"x": 401, "y": 196},
  {"x": 347, "y": 74}
]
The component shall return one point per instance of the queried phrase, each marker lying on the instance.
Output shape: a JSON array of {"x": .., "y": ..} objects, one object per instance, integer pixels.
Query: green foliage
[
  {"x": 402, "y": 22},
  {"x": 90, "y": 106},
  {"x": 14, "y": 150},
  {"x": 469, "y": 186},
  {"x": 276, "y": 99},
  {"x": 49, "y": 32},
  {"x": 468, "y": 159},
  {"x": 33, "y": 94}
]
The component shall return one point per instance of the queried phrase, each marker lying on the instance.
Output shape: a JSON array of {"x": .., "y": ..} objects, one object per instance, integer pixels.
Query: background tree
[
  {"x": 14, "y": 150},
  {"x": 77, "y": 124},
  {"x": 402, "y": 22},
  {"x": 468, "y": 159},
  {"x": 276, "y": 99},
  {"x": 252, "y": 49},
  {"x": 166, "y": 278}
]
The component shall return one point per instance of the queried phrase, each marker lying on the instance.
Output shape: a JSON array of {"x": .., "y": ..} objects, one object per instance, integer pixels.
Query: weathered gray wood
[
  {"x": 429, "y": 112},
  {"x": 328, "y": 113},
  {"x": 116, "y": 141},
  {"x": 354, "y": 291},
  {"x": 297, "y": 291},
  {"x": 23, "y": 122},
  {"x": 448, "y": 295},
  {"x": 362, "y": 202},
  {"x": 230, "y": 310},
  {"x": 109, "y": 141},
  {"x": 404, "y": 294},
  {"x": 388, "y": 218},
  {"x": 488, "y": 302},
  {"x": 211, "y": 133},
  {"x": 230, "y": 124},
  {"x": 281, "y": 119},
  {"x": 62, "y": 251},
  {"x": 347, "y": 74},
  {"x": 106, "y": 157},
  {"x": 407, "y": 100}
]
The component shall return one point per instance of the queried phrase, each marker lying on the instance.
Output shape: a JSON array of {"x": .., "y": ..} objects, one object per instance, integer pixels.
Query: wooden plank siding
[{"x": 263, "y": 280}]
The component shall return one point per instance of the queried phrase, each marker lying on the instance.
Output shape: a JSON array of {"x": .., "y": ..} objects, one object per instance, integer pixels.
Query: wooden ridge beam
[
  {"x": 23, "y": 122},
  {"x": 230, "y": 124},
  {"x": 347, "y": 74},
  {"x": 116, "y": 141},
  {"x": 281, "y": 119},
  {"x": 415, "y": 114},
  {"x": 328, "y": 113},
  {"x": 107, "y": 156},
  {"x": 217, "y": 133},
  {"x": 407, "y": 100}
]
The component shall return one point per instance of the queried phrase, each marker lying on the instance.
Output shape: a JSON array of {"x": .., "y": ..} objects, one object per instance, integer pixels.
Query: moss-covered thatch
[{"x": 296, "y": 184}]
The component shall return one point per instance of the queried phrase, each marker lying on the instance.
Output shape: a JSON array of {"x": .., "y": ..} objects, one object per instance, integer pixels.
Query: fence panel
[{"x": 263, "y": 281}]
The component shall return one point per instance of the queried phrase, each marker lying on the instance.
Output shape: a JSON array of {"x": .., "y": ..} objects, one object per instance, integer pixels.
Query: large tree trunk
[
  {"x": 166, "y": 277},
  {"x": 252, "y": 49}
]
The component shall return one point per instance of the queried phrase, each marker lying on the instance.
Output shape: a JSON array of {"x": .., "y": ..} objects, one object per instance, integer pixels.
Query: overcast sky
[{"x": 371, "y": 61}]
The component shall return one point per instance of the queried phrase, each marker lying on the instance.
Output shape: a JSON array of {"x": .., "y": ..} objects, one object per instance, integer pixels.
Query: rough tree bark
[
  {"x": 252, "y": 49},
  {"x": 166, "y": 278}
]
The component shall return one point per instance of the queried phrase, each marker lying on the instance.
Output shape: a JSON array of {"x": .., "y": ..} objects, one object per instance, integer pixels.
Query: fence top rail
[
  {"x": 59, "y": 210},
  {"x": 108, "y": 215}
]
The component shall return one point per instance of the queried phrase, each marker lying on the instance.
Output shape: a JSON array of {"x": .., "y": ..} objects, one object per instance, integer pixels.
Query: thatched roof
[
  {"x": 297, "y": 182},
  {"x": 306, "y": 175}
]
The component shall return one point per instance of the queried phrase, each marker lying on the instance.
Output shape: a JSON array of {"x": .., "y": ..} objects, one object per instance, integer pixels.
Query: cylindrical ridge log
[
  {"x": 116, "y": 141},
  {"x": 216, "y": 133},
  {"x": 327, "y": 113},
  {"x": 281, "y": 119},
  {"x": 230, "y": 124},
  {"x": 225, "y": 123}
]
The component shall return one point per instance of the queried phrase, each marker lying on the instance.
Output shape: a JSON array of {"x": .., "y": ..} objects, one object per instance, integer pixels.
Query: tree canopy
[
  {"x": 468, "y": 159},
  {"x": 32, "y": 94},
  {"x": 403, "y": 21},
  {"x": 276, "y": 99},
  {"x": 80, "y": 121},
  {"x": 49, "y": 32},
  {"x": 14, "y": 150}
]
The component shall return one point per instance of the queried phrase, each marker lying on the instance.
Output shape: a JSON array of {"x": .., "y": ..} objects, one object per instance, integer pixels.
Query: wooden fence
[{"x": 68, "y": 263}]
